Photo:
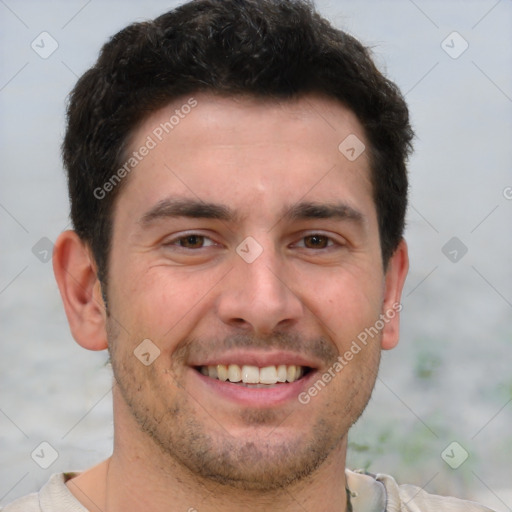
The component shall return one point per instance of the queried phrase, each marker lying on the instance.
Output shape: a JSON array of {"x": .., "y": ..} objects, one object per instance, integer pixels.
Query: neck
[{"x": 131, "y": 484}]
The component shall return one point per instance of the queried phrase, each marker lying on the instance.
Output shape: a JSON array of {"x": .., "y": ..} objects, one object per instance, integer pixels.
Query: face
[{"x": 245, "y": 246}]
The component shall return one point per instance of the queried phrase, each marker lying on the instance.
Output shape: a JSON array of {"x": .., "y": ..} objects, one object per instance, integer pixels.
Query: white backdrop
[{"x": 449, "y": 381}]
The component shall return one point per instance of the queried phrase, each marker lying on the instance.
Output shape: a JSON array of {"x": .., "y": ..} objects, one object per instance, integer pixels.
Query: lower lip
[{"x": 274, "y": 396}]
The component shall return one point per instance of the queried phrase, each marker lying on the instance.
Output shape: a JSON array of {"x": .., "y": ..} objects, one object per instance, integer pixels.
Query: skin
[{"x": 178, "y": 440}]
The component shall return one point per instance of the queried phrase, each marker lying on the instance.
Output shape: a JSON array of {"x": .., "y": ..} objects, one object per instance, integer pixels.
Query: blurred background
[{"x": 441, "y": 413}]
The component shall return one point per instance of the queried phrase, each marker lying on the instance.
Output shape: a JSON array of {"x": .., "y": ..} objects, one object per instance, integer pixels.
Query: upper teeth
[{"x": 253, "y": 375}]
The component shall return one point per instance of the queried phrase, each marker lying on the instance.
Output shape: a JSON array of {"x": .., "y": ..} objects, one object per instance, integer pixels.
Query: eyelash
[
  {"x": 176, "y": 241},
  {"x": 330, "y": 241}
]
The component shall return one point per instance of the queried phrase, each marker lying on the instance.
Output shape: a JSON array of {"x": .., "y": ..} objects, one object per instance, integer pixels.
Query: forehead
[{"x": 249, "y": 153}]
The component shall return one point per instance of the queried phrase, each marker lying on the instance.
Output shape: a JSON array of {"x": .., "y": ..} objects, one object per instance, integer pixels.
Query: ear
[
  {"x": 396, "y": 273},
  {"x": 80, "y": 289}
]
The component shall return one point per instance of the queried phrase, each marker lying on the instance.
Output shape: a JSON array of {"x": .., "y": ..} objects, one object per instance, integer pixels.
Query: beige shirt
[{"x": 369, "y": 493}]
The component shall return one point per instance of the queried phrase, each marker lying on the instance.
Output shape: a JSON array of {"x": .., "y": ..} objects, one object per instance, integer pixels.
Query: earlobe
[
  {"x": 396, "y": 273},
  {"x": 80, "y": 289}
]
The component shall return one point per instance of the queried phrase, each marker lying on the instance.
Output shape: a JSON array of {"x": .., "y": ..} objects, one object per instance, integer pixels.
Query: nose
[{"x": 258, "y": 296}]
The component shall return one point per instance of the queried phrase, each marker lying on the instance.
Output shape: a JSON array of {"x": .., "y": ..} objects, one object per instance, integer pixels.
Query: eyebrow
[
  {"x": 312, "y": 210},
  {"x": 192, "y": 208},
  {"x": 197, "y": 209}
]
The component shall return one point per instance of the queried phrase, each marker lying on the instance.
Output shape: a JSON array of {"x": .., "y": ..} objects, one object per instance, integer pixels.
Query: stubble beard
[{"x": 263, "y": 463}]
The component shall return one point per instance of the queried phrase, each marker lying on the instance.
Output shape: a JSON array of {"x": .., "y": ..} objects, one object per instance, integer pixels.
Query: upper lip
[{"x": 259, "y": 359}]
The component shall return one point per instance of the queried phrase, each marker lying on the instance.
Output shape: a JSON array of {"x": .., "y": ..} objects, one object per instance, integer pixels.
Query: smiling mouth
[{"x": 253, "y": 376}]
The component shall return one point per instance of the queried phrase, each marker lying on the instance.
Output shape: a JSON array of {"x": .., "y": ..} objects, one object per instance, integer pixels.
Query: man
[{"x": 238, "y": 192}]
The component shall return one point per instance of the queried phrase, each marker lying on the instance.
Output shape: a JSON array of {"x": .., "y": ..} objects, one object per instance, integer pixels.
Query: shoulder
[
  {"x": 404, "y": 498},
  {"x": 54, "y": 496},
  {"x": 29, "y": 503},
  {"x": 414, "y": 499}
]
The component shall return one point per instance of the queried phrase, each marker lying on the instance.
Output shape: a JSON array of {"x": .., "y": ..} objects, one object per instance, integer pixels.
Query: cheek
[
  {"x": 162, "y": 303},
  {"x": 346, "y": 301}
]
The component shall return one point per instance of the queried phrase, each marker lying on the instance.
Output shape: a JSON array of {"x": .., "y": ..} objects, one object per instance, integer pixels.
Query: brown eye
[
  {"x": 191, "y": 242},
  {"x": 316, "y": 241}
]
